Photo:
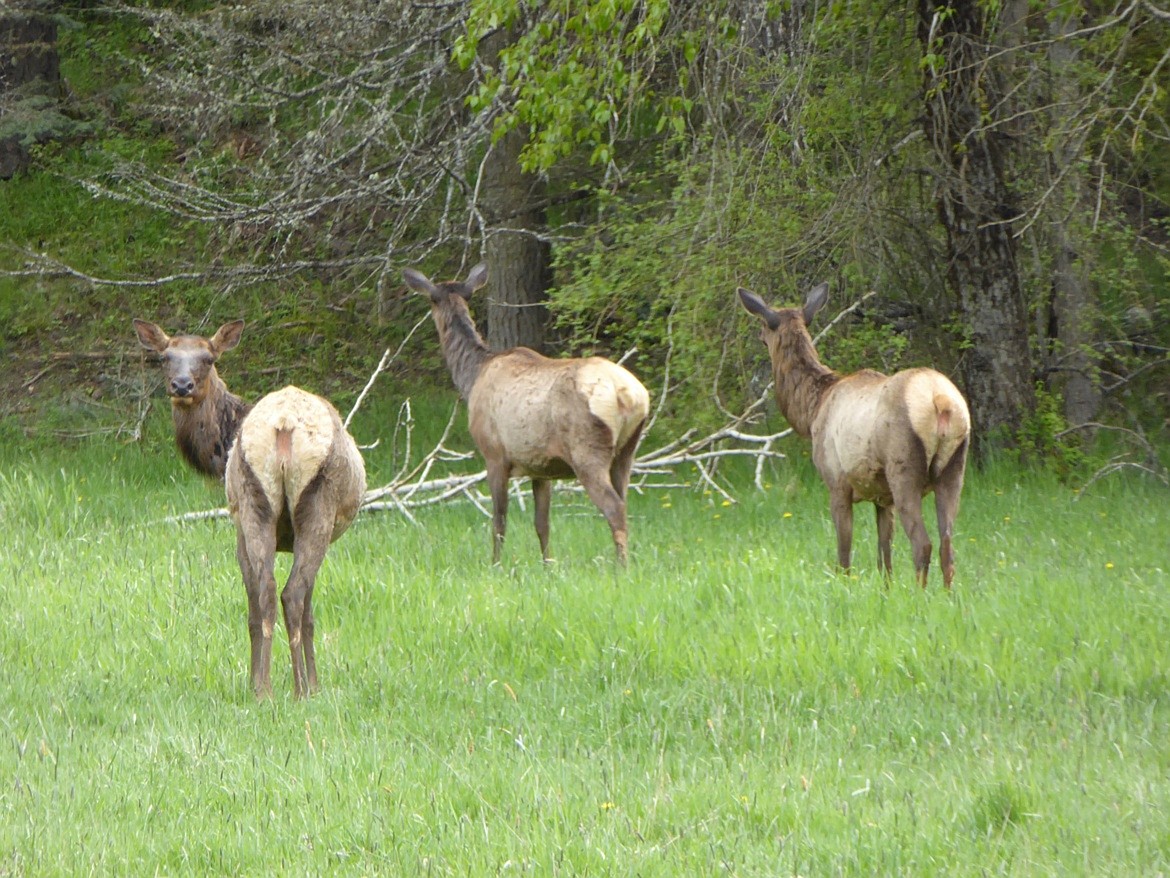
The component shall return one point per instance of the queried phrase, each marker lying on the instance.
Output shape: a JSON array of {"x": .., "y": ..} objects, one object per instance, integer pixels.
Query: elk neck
[
  {"x": 463, "y": 348},
  {"x": 802, "y": 380},
  {"x": 205, "y": 430}
]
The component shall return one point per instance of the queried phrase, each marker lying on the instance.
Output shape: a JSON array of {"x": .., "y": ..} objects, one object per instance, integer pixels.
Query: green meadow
[{"x": 728, "y": 705}]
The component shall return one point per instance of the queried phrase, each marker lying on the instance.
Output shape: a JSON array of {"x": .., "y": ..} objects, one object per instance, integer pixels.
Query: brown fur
[
  {"x": 889, "y": 440},
  {"x": 538, "y": 417},
  {"x": 294, "y": 480}
]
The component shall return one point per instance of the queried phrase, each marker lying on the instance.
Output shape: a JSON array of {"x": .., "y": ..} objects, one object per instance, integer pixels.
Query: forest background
[{"x": 995, "y": 173}]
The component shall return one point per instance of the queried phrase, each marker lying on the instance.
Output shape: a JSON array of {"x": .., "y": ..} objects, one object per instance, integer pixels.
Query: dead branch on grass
[{"x": 415, "y": 486}]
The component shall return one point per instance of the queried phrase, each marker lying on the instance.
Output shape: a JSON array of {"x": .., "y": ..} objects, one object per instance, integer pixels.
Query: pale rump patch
[
  {"x": 614, "y": 396},
  {"x": 938, "y": 414},
  {"x": 285, "y": 440}
]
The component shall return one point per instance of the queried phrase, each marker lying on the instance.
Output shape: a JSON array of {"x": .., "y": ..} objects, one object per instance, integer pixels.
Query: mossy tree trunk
[
  {"x": 30, "y": 73},
  {"x": 976, "y": 208},
  {"x": 519, "y": 259}
]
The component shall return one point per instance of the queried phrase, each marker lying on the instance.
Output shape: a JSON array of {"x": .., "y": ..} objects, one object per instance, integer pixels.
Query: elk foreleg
[
  {"x": 841, "y": 507},
  {"x": 885, "y": 530},
  {"x": 541, "y": 500},
  {"x": 256, "y": 553},
  {"x": 497, "y": 478}
]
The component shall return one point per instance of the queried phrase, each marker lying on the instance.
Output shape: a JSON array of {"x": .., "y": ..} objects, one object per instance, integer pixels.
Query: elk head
[{"x": 188, "y": 360}]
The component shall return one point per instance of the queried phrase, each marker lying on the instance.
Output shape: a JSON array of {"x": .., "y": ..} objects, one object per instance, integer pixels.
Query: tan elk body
[
  {"x": 889, "y": 440},
  {"x": 542, "y": 418},
  {"x": 294, "y": 480}
]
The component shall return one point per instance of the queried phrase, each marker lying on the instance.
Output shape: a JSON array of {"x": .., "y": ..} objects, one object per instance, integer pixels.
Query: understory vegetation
[
  {"x": 728, "y": 704},
  {"x": 284, "y": 164}
]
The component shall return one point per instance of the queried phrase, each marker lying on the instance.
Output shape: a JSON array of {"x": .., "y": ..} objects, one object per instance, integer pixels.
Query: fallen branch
[
  {"x": 1151, "y": 466},
  {"x": 413, "y": 486}
]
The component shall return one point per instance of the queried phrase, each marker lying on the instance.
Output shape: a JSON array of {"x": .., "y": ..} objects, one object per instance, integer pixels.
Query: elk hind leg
[
  {"x": 313, "y": 529},
  {"x": 623, "y": 464},
  {"x": 947, "y": 488},
  {"x": 601, "y": 491},
  {"x": 909, "y": 508},
  {"x": 256, "y": 553}
]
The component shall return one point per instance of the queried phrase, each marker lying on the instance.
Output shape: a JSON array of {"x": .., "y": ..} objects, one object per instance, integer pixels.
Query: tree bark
[
  {"x": 1074, "y": 373},
  {"x": 519, "y": 262},
  {"x": 976, "y": 209},
  {"x": 29, "y": 67}
]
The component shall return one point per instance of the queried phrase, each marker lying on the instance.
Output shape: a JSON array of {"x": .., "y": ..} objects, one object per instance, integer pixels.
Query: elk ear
[
  {"x": 815, "y": 301},
  {"x": 151, "y": 336},
  {"x": 755, "y": 305},
  {"x": 419, "y": 282},
  {"x": 476, "y": 278},
  {"x": 226, "y": 337}
]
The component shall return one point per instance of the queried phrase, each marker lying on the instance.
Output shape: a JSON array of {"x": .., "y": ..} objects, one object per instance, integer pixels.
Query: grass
[{"x": 728, "y": 704}]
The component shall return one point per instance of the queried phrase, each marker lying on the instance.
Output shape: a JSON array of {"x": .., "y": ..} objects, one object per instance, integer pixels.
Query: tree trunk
[
  {"x": 1074, "y": 373},
  {"x": 976, "y": 210},
  {"x": 29, "y": 68},
  {"x": 519, "y": 262}
]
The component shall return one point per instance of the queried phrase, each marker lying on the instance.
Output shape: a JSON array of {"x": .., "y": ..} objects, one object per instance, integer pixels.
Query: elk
[
  {"x": 294, "y": 479},
  {"x": 543, "y": 418},
  {"x": 889, "y": 440}
]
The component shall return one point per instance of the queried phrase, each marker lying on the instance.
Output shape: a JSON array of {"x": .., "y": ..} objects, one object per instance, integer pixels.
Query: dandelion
[
  {"x": 1007, "y": 519},
  {"x": 787, "y": 515},
  {"x": 1108, "y": 565},
  {"x": 717, "y": 515},
  {"x": 726, "y": 502},
  {"x": 607, "y": 806},
  {"x": 666, "y": 505}
]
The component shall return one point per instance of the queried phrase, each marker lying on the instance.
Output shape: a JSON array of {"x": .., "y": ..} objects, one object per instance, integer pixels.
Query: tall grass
[{"x": 729, "y": 704}]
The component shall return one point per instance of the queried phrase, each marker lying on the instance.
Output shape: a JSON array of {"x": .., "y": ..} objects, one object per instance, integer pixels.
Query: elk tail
[
  {"x": 943, "y": 410},
  {"x": 283, "y": 446}
]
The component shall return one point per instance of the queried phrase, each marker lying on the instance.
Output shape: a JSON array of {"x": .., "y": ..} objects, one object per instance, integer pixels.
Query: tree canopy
[{"x": 996, "y": 173}]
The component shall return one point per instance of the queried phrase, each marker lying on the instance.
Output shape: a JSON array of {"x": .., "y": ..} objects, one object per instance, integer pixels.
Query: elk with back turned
[
  {"x": 543, "y": 418},
  {"x": 294, "y": 479},
  {"x": 889, "y": 440}
]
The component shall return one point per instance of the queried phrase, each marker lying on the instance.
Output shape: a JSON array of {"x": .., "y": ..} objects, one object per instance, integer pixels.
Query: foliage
[
  {"x": 1044, "y": 440},
  {"x": 578, "y": 72},
  {"x": 659, "y": 264},
  {"x": 283, "y": 162}
]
